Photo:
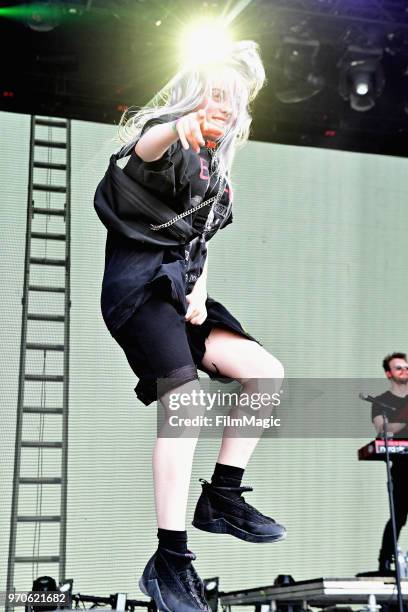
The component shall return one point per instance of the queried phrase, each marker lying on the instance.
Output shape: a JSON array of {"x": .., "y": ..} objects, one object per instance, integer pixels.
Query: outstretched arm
[
  {"x": 191, "y": 129},
  {"x": 155, "y": 142}
]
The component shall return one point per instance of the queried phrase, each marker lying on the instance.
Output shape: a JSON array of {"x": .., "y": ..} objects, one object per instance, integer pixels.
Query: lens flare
[{"x": 205, "y": 42}]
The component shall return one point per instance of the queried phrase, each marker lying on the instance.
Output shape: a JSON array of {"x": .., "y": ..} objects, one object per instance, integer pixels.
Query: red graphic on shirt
[{"x": 204, "y": 172}]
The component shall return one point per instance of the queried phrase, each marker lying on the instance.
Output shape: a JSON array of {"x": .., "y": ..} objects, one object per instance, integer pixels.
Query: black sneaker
[
  {"x": 218, "y": 512},
  {"x": 173, "y": 589}
]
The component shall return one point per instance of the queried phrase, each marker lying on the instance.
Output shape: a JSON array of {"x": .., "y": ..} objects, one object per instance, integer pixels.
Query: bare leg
[
  {"x": 249, "y": 363},
  {"x": 172, "y": 463}
]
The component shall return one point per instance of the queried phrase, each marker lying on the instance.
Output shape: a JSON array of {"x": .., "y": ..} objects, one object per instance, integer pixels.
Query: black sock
[
  {"x": 173, "y": 540},
  {"x": 227, "y": 475},
  {"x": 177, "y": 542}
]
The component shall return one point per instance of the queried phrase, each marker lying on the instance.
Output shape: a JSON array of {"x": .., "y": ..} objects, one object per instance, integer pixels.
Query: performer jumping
[
  {"x": 396, "y": 370},
  {"x": 155, "y": 304}
]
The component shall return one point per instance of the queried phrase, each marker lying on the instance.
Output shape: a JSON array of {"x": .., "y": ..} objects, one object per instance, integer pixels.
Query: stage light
[
  {"x": 362, "y": 83},
  {"x": 41, "y": 16},
  {"x": 205, "y": 42},
  {"x": 211, "y": 592},
  {"x": 44, "y": 16},
  {"x": 283, "y": 580},
  {"x": 362, "y": 77},
  {"x": 44, "y": 584},
  {"x": 210, "y": 585},
  {"x": 66, "y": 587},
  {"x": 298, "y": 76}
]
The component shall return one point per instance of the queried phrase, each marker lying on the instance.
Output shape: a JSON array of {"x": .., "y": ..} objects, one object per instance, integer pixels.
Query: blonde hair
[{"x": 244, "y": 75}]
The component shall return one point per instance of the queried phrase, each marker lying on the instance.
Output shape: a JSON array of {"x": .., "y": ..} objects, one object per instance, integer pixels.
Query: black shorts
[{"x": 159, "y": 343}]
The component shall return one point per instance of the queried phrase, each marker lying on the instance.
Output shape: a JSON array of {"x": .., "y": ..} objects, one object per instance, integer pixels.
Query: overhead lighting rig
[
  {"x": 362, "y": 78},
  {"x": 299, "y": 78}
]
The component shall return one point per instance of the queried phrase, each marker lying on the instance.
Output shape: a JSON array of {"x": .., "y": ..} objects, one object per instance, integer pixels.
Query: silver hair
[{"x": 244, "y": 75}]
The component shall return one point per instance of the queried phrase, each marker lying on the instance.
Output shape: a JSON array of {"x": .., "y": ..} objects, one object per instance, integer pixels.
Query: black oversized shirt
[{"x": 133, "y": 271}]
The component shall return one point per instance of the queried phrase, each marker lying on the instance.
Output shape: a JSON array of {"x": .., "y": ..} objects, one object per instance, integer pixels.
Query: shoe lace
[
  {"x": 241, "y": 489},
  {"x": 244, "y": 489},
  {"x": 195, "y": 586}
]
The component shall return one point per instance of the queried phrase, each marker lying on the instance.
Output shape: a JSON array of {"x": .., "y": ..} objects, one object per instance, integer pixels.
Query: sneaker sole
[
  {"x": 223, "y": 526},
  {"x": 152, "y": 590}
]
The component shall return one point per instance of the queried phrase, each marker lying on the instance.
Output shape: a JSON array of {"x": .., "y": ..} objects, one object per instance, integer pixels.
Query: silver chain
[{"x": 190, "y": 211}]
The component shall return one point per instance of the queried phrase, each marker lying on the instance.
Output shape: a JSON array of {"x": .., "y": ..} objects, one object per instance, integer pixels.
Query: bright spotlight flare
[{"x": 205, "y": 42}]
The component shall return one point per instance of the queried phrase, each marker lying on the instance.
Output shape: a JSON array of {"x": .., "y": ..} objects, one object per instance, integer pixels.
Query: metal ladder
[{"x": 44, "y": 361}]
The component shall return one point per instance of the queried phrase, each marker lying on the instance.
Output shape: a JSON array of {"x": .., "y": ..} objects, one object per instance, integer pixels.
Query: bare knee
[
  {"x": 276, "y": 367},
  {"x": 266, "y": 366}
]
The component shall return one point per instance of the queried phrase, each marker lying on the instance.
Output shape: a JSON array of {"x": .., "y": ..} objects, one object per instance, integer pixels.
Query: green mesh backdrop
[{"x": 314, "y": 267}]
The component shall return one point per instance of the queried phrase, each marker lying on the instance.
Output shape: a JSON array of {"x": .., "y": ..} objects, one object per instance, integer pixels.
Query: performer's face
[
  {"x": 399, "y": 371},
  {"x": 218, "y": 106}
]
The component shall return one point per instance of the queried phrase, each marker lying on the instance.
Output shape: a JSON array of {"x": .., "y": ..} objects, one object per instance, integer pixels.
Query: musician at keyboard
[{"x": 396, "y": 370}]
